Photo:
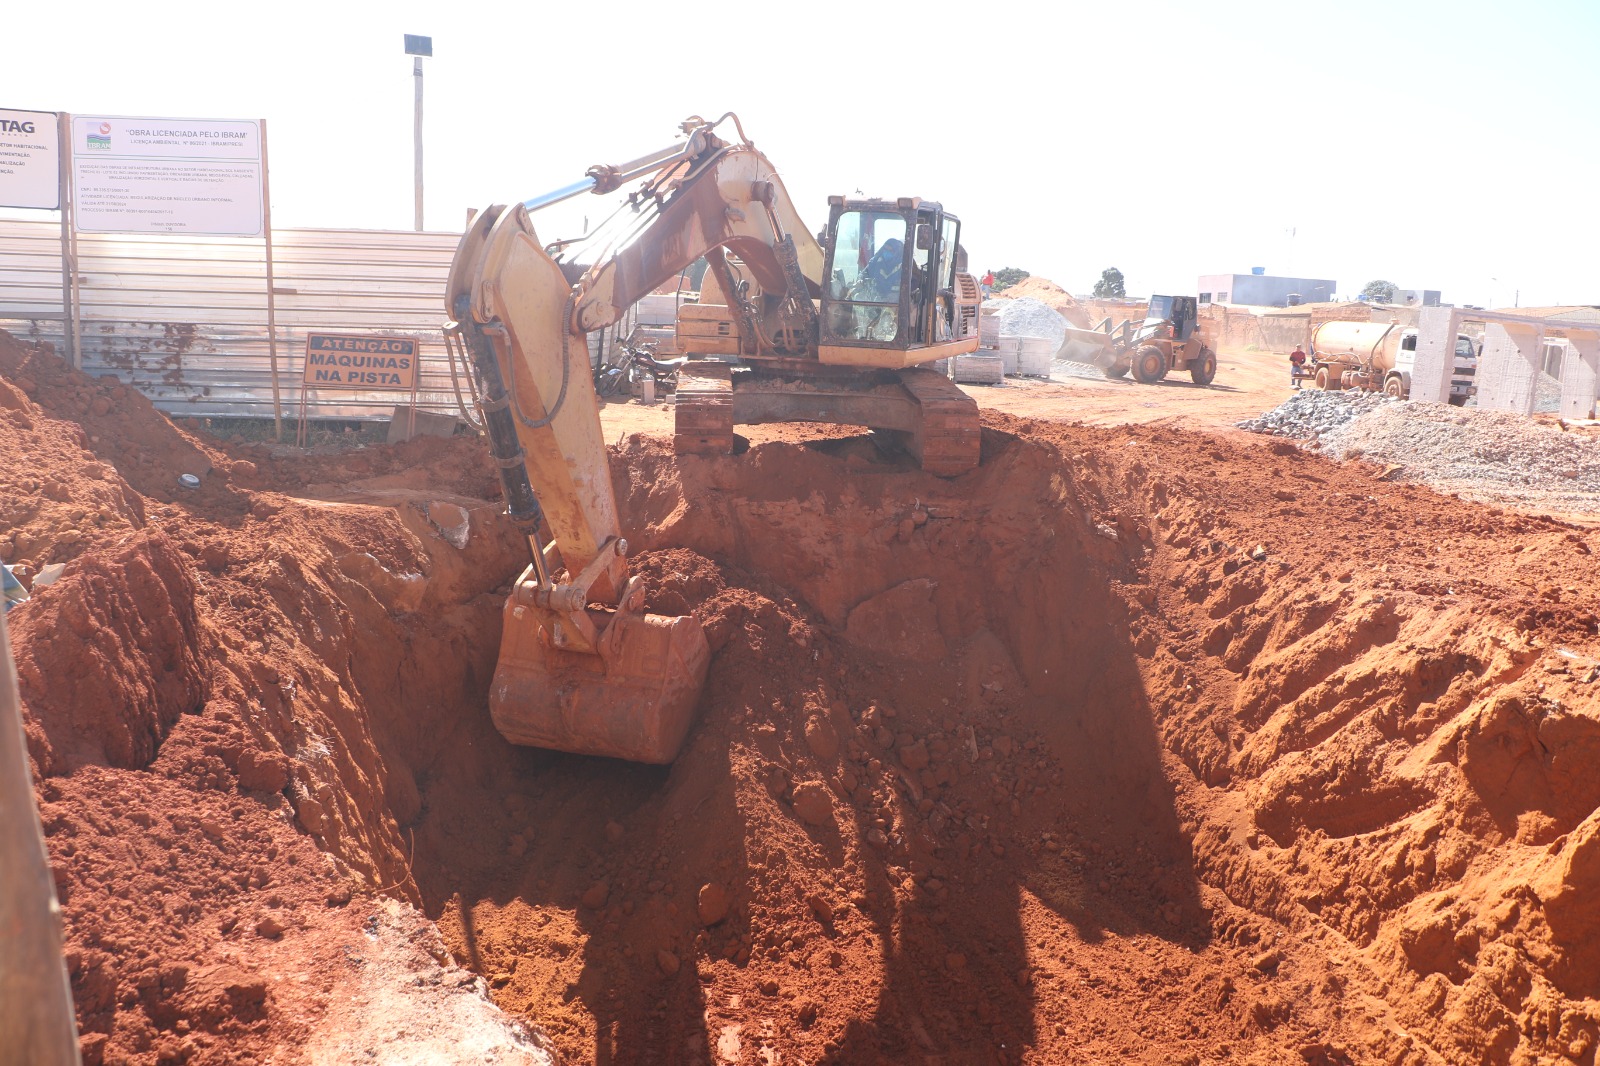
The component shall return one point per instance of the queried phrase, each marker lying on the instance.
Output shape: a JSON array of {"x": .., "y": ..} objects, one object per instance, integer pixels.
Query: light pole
[
  {"x": 1516, "y": 294},
  {"x": 418, "y": 47}
]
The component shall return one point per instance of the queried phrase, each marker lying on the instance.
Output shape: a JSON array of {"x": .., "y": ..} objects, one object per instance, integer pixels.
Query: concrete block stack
[
  {"x": 1034, "y": 356},
  {"x": 988, "y": 328},
  {"x": 982, "y": 367},
  {"x": 1023, "y": 356},
  {"x": 986, "y": 365},
  {"x": 658, "y": 309},
  {"x": 654, "y": 320},
  {"x": 1027, "y": 334},
  {"x": 1008, "y": 347}
]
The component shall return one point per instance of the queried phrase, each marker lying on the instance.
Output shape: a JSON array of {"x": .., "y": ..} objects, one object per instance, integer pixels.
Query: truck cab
[{"x": 1463, "y": 375}]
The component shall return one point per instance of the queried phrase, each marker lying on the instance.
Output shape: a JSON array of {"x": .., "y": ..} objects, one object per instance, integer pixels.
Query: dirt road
[{"x": 1247, "y": 383}]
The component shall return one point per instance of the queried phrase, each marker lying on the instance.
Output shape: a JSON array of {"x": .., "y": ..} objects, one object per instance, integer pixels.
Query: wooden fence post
[{"x": 36, "y": 1020}]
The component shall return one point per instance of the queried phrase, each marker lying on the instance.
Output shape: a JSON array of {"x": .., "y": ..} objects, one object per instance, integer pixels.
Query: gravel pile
[
  {"x": 1547, "y": 395},
  {"x": 1493, "y": 456},
  {"x": 1311, "y": 413},
  {"x": 1445, "y": 444},
  {"x": 1027, "y": 317}
]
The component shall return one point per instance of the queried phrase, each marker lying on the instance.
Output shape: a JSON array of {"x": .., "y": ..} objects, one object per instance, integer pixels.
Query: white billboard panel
[
  {"x": 30, "y": 160},
  {"x": 166, "y": 175}
]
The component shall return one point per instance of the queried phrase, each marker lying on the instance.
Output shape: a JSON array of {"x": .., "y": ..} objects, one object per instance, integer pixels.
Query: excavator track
[
  {"x": 703, "y": 419},
  {"x": 947, "y": 441}
]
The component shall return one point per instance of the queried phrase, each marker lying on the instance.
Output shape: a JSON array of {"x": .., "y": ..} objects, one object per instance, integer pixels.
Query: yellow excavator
[{"x": 789, "y": 328}]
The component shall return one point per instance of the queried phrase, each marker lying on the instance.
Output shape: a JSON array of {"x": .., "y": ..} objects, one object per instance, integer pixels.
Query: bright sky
[{"x": 1446, "y": 145}]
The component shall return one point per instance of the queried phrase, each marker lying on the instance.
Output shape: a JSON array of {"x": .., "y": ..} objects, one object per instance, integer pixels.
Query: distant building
[
  {"x": 1417, "y": 297},
  {"x": 1264, "y": 290}
]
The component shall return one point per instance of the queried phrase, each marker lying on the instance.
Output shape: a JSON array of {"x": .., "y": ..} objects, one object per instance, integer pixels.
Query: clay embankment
[{"x": 1133, "y": 745}]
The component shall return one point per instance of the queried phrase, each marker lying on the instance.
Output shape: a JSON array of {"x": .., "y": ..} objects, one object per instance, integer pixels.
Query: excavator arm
[{"x": 582, "y": 666}]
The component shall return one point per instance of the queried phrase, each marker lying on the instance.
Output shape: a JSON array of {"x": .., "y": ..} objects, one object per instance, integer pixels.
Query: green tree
[
  {"x": 1110, "y": 286},
  {"x": 1006, "y": 277},
  {"x": 1381, "y": 291}
]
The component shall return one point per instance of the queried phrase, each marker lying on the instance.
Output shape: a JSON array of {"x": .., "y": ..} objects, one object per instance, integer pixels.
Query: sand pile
[
  {"x": 1051, "y": 295},
  {"x": 1084, "y": 756}
]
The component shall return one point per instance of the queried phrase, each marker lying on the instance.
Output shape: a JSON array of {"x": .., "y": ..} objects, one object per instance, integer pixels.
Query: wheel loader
[
  {"x": 584, "y": 666},
  {"x": 1169, "y": 339}
]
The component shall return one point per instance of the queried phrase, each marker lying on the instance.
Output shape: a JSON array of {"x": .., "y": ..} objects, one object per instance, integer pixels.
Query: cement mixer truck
[{"x": 1379, "y": 357}]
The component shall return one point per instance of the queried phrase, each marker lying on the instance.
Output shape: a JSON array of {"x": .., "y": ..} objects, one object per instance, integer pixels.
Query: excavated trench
[
  {"x": 1089, "y": 755},
  {"x": 924, "y": 720}
]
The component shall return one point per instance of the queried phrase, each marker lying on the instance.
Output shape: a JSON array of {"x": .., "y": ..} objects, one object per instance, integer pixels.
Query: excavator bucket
[{"x": 635, "y": 702}]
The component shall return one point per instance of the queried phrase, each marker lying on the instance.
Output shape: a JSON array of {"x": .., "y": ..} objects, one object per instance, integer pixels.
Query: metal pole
[
  {"x": 416, "y": 71},
  {"x": 272, "y": 300},
  {"x": 69, "y": 267},
  {"x": 36, "y": 1018},
  {"x": 75, "y": 340}
]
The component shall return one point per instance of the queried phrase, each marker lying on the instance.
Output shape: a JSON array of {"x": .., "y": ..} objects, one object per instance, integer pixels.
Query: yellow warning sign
[{"x": 352, "y": 361}]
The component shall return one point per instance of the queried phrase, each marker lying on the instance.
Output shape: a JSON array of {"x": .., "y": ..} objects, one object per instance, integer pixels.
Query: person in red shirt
[
  {"x": 986, "y": 283},
  {"x": 1297, "y": 366}
]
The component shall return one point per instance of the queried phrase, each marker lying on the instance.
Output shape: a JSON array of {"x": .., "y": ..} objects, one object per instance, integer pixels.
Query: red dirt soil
[{"x": 1137, "y": 744}]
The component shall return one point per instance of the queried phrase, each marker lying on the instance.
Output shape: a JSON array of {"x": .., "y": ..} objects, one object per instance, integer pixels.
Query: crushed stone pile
[
  {"x": 1027, "y": 317},
  {"x": 1547, "y": 395},
  {"x": 1494, "y": 456},
  {"x": 1446, "y": 444},
  {"x": 1311, "y": 413}
]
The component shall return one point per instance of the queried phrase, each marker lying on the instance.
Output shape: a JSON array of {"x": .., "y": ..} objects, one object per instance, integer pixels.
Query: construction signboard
[
  {"x": 164, "y": 175},
  {"x": 30, "y": 160},
  {"x": 360, "y": 361}
]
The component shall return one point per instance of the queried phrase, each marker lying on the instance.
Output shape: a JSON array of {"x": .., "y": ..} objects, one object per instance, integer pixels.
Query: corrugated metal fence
[{"x": 184, "y": 319}]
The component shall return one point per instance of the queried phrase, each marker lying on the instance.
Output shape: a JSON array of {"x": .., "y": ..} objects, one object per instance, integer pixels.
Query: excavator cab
[{"x": 893, "y": 268}]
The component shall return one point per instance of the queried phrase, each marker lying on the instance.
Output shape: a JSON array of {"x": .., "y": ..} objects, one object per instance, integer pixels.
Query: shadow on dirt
[{"x": 996, "y": 775}]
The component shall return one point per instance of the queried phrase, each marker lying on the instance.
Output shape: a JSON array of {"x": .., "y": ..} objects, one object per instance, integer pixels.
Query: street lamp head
[{"x": 418, "y": 46}]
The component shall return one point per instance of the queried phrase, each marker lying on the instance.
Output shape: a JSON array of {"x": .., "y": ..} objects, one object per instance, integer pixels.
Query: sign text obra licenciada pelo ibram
[{"x": 167, "y": 175}]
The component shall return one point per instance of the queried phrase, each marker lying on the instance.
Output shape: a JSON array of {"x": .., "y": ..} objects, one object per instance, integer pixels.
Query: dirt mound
[
  {"x": 115, "y": 646},
  {"x": 1052, "y": 296},
  {"x": 1089, "y": 754},
  {"x": 114, "y": 423}
]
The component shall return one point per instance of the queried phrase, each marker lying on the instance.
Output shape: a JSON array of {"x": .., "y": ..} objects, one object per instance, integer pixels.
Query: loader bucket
[
  {"x": 1086, "y": 346},
  {"x": 636, "y": 703}
]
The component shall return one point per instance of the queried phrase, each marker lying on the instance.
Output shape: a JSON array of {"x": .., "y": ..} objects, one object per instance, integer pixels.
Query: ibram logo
[{"x": 101, "y": 141}]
